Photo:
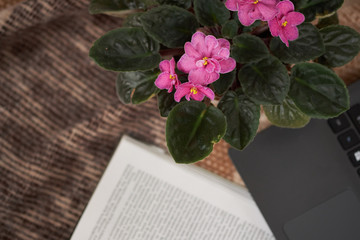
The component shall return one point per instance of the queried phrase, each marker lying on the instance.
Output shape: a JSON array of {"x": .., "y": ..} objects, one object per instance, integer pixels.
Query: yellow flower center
[
  {"x": 194, "y": 90},
  {"x": 285, "y": 23},
  {"x": 206, "y": 62},
  {"x": 256, "y": 1},
  {"x": 172, "y": 77}
]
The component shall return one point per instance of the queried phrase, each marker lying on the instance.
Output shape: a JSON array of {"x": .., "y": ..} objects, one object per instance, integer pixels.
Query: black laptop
[{"x": 306, "y": 182}]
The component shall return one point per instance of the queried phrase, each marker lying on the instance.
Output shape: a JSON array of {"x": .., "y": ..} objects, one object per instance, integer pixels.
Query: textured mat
[{"x": 60, "y": 119}]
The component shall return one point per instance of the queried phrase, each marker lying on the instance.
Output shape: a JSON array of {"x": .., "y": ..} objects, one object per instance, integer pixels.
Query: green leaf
[
  {"x": 328, "y": 21},
  {"x": 248, "y": 29},
  {"x": 103, "y": 6},
  {"x": 211, "y": 12},
  {"x": 126, "y": 49},
  {"x": 112, "y": 7},
  {"x": 136, "y": 87},
  {"x": 313, "y": 8},
  {"x": 166, "y": 102},
  {"x": 133, "y": 20},
  {"x": 308, "y": 46},
  {"x": 342, "y": 44},
  {"x": 180, "y": 3},
  {"x": 230, "y": 29},
  {"x": 248, "y": 48},
  {"x": 191, "y": 130},
  {"x": 170, "y": 25},
  {"x": 242, "y": 117},
  {"x": 286, "y": 115},
  {"x": 224, "y": 82},
  {"x": 140, "y": 4},
  {"x": 317, "y": 91},
  {"x": 266, "y": 81}
]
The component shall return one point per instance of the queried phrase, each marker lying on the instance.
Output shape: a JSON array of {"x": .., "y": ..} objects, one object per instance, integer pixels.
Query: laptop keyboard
[{"x": 349, "y": 134}]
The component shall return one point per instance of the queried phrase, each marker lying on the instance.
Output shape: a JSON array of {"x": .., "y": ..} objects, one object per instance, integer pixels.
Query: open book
[{"x": 144, "y": 195}]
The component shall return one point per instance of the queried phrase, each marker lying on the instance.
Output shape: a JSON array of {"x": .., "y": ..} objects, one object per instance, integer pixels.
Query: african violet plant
[{"x": 212, "y": 68}]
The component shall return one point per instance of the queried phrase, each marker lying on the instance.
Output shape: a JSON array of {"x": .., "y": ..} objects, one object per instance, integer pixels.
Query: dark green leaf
[
  {"x": 133, "y": 20},
  {"x": 224, "y": 82},
  {"x": 140, "y": 4},
  {"x": 111, "y": 7},
  {"x": 166, "y": 102},
  {"x": 170, "y": 25},
  {"x": 180, "y": 3},
  {"x": 211, "y": 12},
  {"x": 266, "y": 81},
  {"x": 328, "y": 21},
  {"x": 247, "y": 29},
  {"x": 342, "y": 44},
  {"x": 136, "y": 87},
  {"x": 230, "y": 29},
  {"x": 286, "y": 115},
  {"x": 191, "y": 130},
  {"x": 248, "y": 48},
  {"x": 242, "y": 117},
  {"x": 313, "y": 8},
  {"x": 308, "y": 46},
  {"x": 317, "y": 91},
  {"x": 103, "y": 6},
  {"x": 126, "y": 49}
]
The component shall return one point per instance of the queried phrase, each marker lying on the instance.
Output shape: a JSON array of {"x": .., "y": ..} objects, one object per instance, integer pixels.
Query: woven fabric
[{"x": 60, "y": 119}]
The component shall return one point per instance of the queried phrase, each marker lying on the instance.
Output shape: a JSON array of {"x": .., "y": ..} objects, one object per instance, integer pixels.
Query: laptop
[{"x": 306, "y": 181}]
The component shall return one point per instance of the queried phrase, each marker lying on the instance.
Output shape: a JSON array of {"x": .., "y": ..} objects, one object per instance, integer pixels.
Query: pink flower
[
  {"x": 284, "y": 24},
  {"x": 251, "y": 10},
  {"x": 194, "y": 91},
  {"x": 168, "y": 78},
  {"x": 205, "y": 58}
]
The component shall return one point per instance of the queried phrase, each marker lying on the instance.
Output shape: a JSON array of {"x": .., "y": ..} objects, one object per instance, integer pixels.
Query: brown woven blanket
[{"x": 60, "y": 119}]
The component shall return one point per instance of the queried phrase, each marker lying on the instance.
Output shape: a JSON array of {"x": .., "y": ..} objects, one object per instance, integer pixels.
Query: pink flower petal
[
  {"x": 207, "y": 92},
  {"x": 197, "y": 76},
  {"x": 274, "y": 27},
  {"x": 164, "y": 66},
  {"x": 227, "y": 65},
  {"x": 244, "y": 6},
  {"x": 163, "y": 81},
  {"x": 231, "y": 5},
  {"x": 223, "y": 43},
  {"x": 200, "y": 63},
  {"x": 283, "y": 38},
  {"x": 210, "y": 67},
  {"x": 245, "y": 19},
  {"x": 191, "y": 51},
  {"x": 202, "y": 77},
  {"x": 172, "y": 66},
  {"x": 198, "y": 41},
  {"x": 270, "y": 2},
  {"x": 170, "y": 89},
  {"x": 186, "y": 63},
  {"x": 285, "y": 7},
  {"x": 291, "y": 33},
  {"x": 211, "y": 77},
  {"x": 211, "y": 43},
  {"x": 295, "y": 18},
  {"x": 217, "y": 65},
  {"x": 182, "y": 90},
  {"x": 224, "y": 53},
  {"x": 199, "y": 96},
  {"x": 268, "y": 12},
  {"x": 256, "y": 14}
]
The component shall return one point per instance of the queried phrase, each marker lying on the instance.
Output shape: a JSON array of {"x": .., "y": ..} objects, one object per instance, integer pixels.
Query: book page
[{"x": 143, "y": 194}]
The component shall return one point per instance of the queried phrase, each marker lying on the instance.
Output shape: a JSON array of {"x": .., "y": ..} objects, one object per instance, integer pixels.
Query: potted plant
[{"x": 213, "y": 64}]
